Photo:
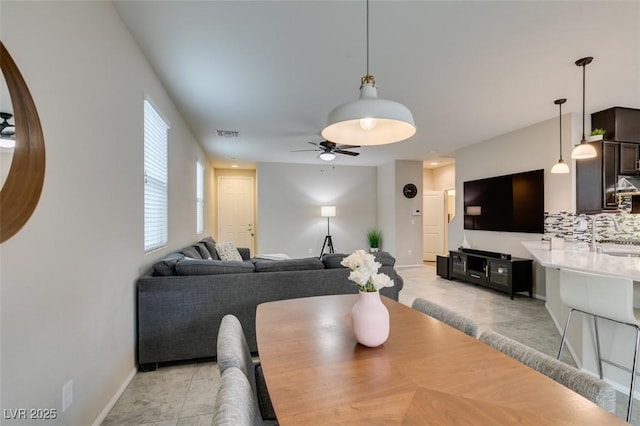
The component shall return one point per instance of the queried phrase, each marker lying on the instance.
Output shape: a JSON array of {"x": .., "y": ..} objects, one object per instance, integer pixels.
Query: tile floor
[{"x": 181, "y": 395}]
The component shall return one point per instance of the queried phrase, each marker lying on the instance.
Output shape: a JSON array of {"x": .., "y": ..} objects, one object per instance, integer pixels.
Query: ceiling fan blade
[
  {"x": 353, "y": 154},
  {"x": 306, "y": 150},
  {"x": 347, "y": 146},
  {"x": 314, "y": 144},
  {"x": 328, "y": 144}
]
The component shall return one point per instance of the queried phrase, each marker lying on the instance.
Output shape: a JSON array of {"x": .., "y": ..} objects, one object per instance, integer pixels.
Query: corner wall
[{"x": 67, "y": 279}]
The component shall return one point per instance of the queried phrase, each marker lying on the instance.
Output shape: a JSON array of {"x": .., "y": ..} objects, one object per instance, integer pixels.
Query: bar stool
[{"x": 602, "y": 297}]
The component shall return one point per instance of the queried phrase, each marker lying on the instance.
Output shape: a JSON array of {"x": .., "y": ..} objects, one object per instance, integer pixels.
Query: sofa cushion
[
  {"x": 211, "y": 246},
  {"x": 167, "y": 266},
  {"x": 204, "y": 251},
  {"x": 228, "y": 252},
  {"x": 332, "y": 260},
  {"x": 266, "y": 265},
  {"x": 212, "y": 267},
  {"x": 191, "y": 252}
]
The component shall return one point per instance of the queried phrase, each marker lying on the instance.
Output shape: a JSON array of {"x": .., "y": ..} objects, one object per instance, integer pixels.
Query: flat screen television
[{"x": 509, "y": 203}]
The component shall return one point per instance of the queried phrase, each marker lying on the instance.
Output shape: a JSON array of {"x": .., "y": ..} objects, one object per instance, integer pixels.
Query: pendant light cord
[
  {"x": 560, "y": 105},
  {"x": 584, "y": 67},
  {"x": 367, "y": 37}
]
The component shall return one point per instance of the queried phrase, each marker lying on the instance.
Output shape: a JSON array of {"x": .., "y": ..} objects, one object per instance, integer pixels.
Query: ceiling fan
[
  {"x": 7, "y": 130},
  {"x": 328, "y": 150}
]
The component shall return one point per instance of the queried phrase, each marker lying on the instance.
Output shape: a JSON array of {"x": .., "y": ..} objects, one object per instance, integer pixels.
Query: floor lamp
[{"x": 328, "y": 212}]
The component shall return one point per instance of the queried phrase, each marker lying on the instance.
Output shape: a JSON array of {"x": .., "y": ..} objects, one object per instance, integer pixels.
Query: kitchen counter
[
  {"x": 581, "y": 259},
  {"x": 617, "y": 341}
]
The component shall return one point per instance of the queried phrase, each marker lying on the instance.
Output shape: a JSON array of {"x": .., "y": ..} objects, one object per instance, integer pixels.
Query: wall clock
[{"x": 410, "y": 190}]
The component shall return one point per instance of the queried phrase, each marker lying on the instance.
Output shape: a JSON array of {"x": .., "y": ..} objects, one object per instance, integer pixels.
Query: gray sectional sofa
[{"x": 181, "y": 302}]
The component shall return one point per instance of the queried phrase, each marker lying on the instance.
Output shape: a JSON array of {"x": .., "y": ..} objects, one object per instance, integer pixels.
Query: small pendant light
[
  {"x": 369, "y": 120},
  {"x": 560, "y": 166},
  {"x": 583, "y": 149}
]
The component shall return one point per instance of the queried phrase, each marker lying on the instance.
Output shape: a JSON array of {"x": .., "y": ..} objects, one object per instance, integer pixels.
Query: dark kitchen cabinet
[
  {"x": 597, "y": 179},
  {"x": 629, "y": 156},
  {"x": 621, "y": 124}
]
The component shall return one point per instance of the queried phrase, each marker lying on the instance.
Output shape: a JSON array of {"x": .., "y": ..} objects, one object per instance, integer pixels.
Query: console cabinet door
[
  {"x": 499, "y": 273},
  {"x": 458, "y": 264}
]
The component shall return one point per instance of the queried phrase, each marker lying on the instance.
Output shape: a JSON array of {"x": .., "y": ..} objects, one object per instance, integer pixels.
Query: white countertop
[{"x": 581, "y": 259}]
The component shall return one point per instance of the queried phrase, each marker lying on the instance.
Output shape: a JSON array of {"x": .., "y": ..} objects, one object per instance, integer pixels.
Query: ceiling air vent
[{"x": 228, "y": 133}]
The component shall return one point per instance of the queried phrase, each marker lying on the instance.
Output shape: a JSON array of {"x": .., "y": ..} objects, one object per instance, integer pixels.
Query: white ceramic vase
[{"x": 370, "y": 319}]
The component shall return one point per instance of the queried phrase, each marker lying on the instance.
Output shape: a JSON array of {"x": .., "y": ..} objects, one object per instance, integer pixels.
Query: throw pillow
[{"x": 228, "y": 252}]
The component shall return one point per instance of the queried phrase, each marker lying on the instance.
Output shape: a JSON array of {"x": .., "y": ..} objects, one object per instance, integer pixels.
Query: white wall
[
  {"x": 408, "y": 227},
  {"x": 290, "y": 197},
  {"x": 531, "y": 148},
  {"x": 68, "y": 277}
]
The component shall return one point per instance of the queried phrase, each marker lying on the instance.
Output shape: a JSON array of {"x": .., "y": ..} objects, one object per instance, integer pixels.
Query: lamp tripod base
[{"x": 328, "y": 243}]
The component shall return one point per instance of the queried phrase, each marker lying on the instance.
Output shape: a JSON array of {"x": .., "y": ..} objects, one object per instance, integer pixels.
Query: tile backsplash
[{"x": 577, "y": 227}]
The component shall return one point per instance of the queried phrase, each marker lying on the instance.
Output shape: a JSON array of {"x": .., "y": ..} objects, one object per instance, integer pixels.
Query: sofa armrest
[{"x": 245, "y": 252}]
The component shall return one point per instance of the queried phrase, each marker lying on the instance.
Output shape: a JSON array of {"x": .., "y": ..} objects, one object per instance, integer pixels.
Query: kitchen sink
[{"x": 622, "y": 253}]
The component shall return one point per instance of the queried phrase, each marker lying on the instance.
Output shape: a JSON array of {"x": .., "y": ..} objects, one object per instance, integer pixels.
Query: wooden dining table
[{"x": 425, "y": 373}]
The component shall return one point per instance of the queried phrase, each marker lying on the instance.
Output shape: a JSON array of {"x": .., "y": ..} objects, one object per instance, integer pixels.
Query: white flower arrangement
[{"x": 364, "y": 271}]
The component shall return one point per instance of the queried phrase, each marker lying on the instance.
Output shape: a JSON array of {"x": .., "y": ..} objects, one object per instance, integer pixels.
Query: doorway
[{"x": 236, "y": 211}]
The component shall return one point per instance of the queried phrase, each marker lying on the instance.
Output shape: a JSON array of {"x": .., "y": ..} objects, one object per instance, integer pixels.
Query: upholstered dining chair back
[
  {"x": 233, "y": 351},
  {"x": 446, "y": 315},
  {"x": 235, "y": 401},
  {"x": 580, "y": 382}
]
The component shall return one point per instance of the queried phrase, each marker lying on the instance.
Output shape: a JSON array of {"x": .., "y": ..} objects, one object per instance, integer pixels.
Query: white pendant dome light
[
  {"x": 369, "y": 120},
  {"x": 583, "y": 149}
]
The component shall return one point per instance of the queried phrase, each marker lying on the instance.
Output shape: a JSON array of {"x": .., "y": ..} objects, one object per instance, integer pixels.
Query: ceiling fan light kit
[
  {"x": 369, "y": 120},
  {"x": 560, "y": 167},
  {"x": 583, "y": 150},
  {"x": 327, "y": 156}
]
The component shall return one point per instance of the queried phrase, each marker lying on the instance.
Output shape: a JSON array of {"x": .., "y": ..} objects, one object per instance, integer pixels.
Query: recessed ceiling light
[
  {"x": 435, "y": 163},
  {"x": 234, "y": 166}
]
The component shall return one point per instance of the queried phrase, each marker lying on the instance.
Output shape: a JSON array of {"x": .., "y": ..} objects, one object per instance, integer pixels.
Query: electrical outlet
[
  {"x": 310, "y": 251},
  {"x": 67, "y": 395}
]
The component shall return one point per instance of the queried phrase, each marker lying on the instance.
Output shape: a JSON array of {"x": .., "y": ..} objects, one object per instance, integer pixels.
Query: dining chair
[
  {"x": 235, "y": 403},
  {"x": 446, "y": 315},
  {"x": 233, "y": 351},
  {"x": 601, "y": 297},
  {"x": 592, "y": 388}
]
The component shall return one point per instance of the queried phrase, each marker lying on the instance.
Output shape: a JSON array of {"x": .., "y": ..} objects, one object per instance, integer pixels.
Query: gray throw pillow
[
  {"x": 211, "y": 246},
  {"x": 191, "y": 252},
  {"x": 167, "y": 266},
  {"x": 204, "y": 251}
]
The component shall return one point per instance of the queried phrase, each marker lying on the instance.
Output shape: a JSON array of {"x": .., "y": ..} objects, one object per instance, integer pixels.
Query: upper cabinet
[
  {"x": 621, "y": 124},
  {"x": 618, "y": 155}
]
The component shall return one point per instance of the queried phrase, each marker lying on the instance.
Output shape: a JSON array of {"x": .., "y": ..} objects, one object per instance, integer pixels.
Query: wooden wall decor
[{"x": 21, "y": 191}]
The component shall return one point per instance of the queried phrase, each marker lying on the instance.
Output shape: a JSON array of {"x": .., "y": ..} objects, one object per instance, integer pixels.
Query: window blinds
[{"x": 155, "y": 179}]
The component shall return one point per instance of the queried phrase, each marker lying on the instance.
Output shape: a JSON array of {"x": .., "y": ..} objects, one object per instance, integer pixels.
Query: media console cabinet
[{"x": 498, "y": 271}]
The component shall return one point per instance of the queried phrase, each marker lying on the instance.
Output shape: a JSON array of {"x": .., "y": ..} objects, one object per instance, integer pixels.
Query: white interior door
[
  {"x": 235, "y": 211},
  {"x": 432, "y": 225}
]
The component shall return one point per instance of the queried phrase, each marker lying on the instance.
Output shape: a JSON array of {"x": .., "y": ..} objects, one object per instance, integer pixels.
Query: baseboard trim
[{"x": 114, "y": 399}]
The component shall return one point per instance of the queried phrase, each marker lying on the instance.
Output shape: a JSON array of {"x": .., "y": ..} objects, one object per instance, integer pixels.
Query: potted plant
[
  {"x": 375, "y": 239},
  {"x": 597, "y": 134}
]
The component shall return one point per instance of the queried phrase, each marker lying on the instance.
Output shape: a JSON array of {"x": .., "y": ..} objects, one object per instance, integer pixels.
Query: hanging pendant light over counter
[
  {"x": 369, "y": 120},
  {"x": 560, "y": 166},
  {"x": 583, "y": 149}
]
